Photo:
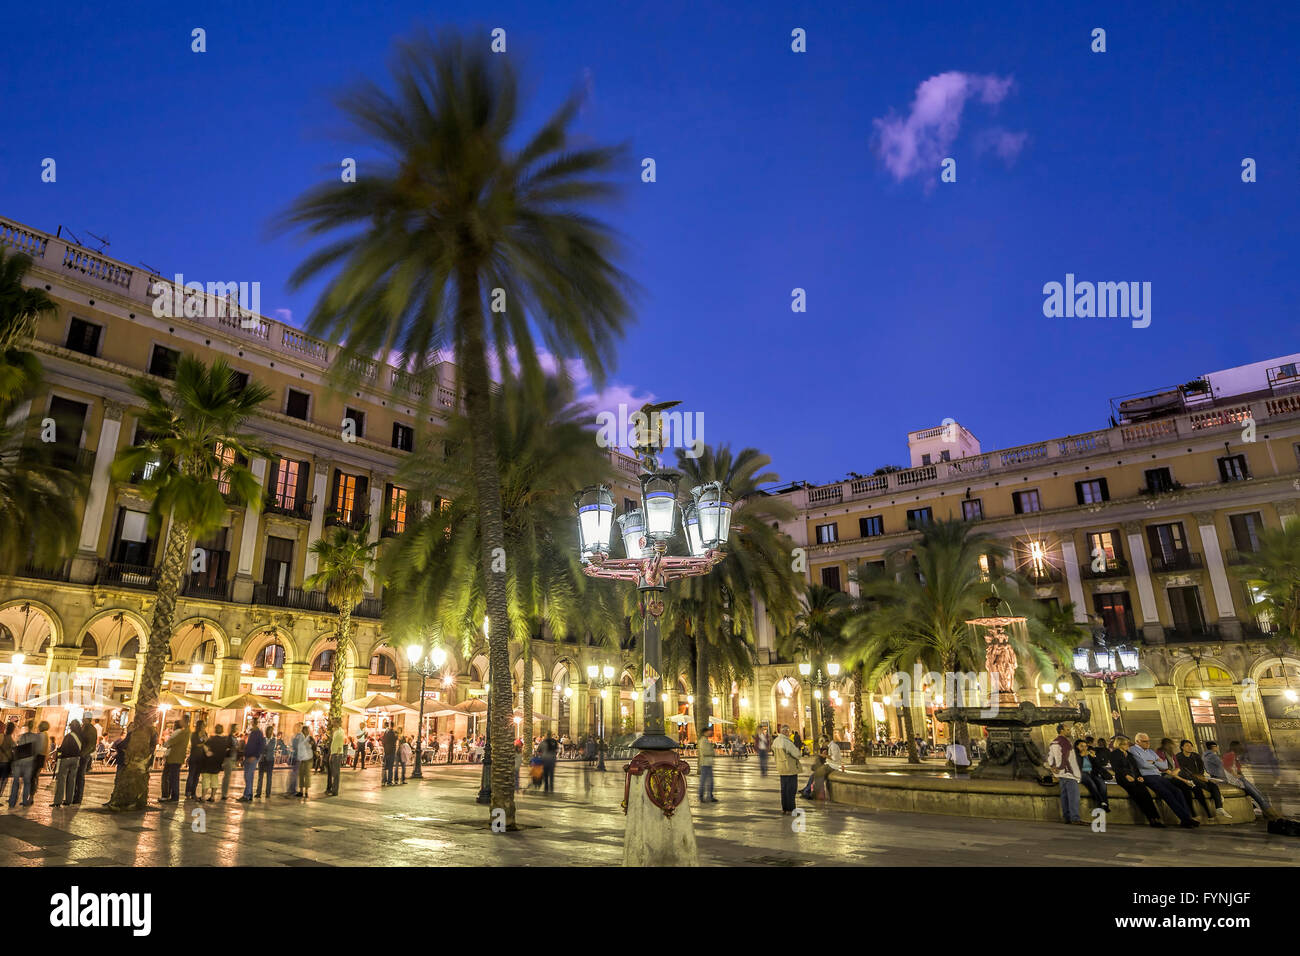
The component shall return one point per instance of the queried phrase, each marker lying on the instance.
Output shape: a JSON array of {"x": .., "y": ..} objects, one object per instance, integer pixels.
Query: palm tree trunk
[
  {"x": 859, "y": 754},
  {"x": 527, "y": 703},
  {"x": 472, "y": 357},
  {"x": 131, "y": 791},
  {"x": 958, "y": 730},
  {"x": 913, "y": 755},
  {"x": 342, "y": 643},
  {"x": 702, "y": 701}
]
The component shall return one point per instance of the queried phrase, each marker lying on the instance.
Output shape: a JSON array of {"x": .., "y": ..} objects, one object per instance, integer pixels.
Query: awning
[
  {"x": 172, "y": 701},
  {"x": 74, "y": 697},
  {"x": 254, "y": 702},
  {"x": 383, "y": 703}
]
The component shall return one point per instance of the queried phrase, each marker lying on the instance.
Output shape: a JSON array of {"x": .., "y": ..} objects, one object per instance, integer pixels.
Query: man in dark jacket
[
  {"x": 266, "y": 763},
  {"x": 1128, "y": 774},
  {"x": 253, "y": 749},
  {"x": 390, "y": 754},
  {"x": 89, "y": 744},
  {"x": 194, "y": 766}
]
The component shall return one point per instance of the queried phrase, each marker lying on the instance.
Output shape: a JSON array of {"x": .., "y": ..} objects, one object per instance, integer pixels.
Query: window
[
  {"x": 324, "y": 660},
  {"x": 925, "y": 460},
  {"x": 868, "y": 570},
  {"x": 69, "y": 423},
  {"x": 1233, "y": 468},
  {"x": 1158, "y": 480},
  {"x": 131, "y": 538},
  {"x": 1185, "y": 606},
  {"x": 349, "y": 496},
  {"x": 1167, "y": 541},
  {"x": 945, "y": 456},
  {"x": 225, "y": 458},
  {"x": 972, "y": 509},
  {"x": 162, "y": 362},
  {"x": 239, "y": 381},
  {"x": 1116, "y": 614},
  {"x": 88, "y": 647},
  {"x": 628, "y": 505},
  {"x": 358, "y": 419},
  {"x": 1245, "y": 531},
  {"x": 831, "y": 578},
  {"x": 216, "y": 560},
  {"x": 1091, "y": 492},
  {"x": 871, "y": 526},
  {"x": 381, "y": 665},
  {"x": 289, "y": 483},
  {"x": 403, "y": 437},
  {"x": 1026, "y": 502},
  {"x": 278, "y": 565},
  {"x": 396, "y": 510},
  {"x": 270, "y": 656},
  {"x": 826, "y": 533},
  {"x": 1104, "y": 545},
  {"x": 296, "y": 404},
  {"x": 918, "y": 518},
  {"x": 83, "y": 336}
]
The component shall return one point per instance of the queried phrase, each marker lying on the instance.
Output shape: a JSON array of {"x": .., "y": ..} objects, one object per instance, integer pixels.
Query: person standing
[
  {"x": 254, "y": 747},
  {"x": 214, "y": 759},
  {"x": 65, "y": 771},
  {"x": 42, "y": 754},
  {"x": 706, "y": 750},
  {"x": 762, "y": 744},
  {"x": 89, "y": 745},
  {"x": 178, "y": 746},
  {"x": 303, "y": 750},
  {"x": 7, "y": 745},
  {"x": 24, "y": 756},
  {"x": 291, "y": 785},
  {"x": 389, "y": 741},
  {"x": 1064, "y": 764},
  {"x": 787, "y": 753},
  {"x": 336, "y": 756},
  {"x": 228, "y": 762},
  {"x": 550, "y": 751},
  {"x": 194, "y": 766},
  {"x": 404, "y": 756},
  {"x": 266, "y": 763}
]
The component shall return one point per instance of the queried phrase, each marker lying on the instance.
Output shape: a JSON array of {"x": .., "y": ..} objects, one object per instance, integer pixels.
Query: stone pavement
[{"x": 435, "y": 822}]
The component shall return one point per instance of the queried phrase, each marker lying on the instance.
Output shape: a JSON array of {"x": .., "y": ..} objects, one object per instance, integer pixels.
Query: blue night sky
[{"x": 776, "y": 170}]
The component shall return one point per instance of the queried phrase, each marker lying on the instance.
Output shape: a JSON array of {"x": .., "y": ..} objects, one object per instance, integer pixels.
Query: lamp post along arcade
[
  {"x": 1107, "y": 665},
  {"x": 659, "y": 831},
  {"x": 425, "y": 665}
]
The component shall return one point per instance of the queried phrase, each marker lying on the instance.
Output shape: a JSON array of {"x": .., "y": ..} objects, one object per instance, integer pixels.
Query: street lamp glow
[
  {"x": 115, "y": 664},
  {"x": 691, "y": 520},
  {"x": 817, "y": 694},
  {"x": 632, "y": 528},
  {"x": 609, "y": 672},
  {"x": 439, "y": 656},
  {"x": 714, "y": 513},
  {"x": 833, "y": 668},
  {"x": 805, "y": 668},
  {"x": 1290, "y": 695},
  {"x": 17, "y": 659},
  {"x": 715, "y": 702},
  {"x": 785, "y": 701},
  {"x": 690, "y": 698},
  {"x": 568, "y": 693},
  {"x": 1205, "y": 695},
  {"x": 886, "y": 700},
  {"x": 413, "y": 653},
  {"x": 270, "y": 674},
  {"x": 744, "y": 702},
  {"x": 635, "y": 696},
  {"x": 245, "y": 667},
  {"x": 1128, "y": 696},
  {"x": 659, "y": 503},
  {"x": 196, "y": 670},
  {"x": 592, "y": 671},
  {"x": 1065, "y": 687},
  {"x": 595, "y": 521},
  {"x": 604, "y": 693}
]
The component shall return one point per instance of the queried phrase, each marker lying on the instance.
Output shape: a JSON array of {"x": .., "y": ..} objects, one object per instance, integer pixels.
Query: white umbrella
[
  {"x": 382, "y": 702},
  {"x": 76, "y": 697},
  {"x": 719, "y": 720},
  {"x": 681, "y": 720},
  {"x": 307, "y": 706},
  {"x": 240, "y": 701}
]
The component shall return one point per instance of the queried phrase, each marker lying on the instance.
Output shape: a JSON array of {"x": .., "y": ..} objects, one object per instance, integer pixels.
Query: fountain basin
[{"x": 1013, "y": 754}]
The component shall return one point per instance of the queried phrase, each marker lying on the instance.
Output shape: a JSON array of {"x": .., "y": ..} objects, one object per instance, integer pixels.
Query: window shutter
[
  {"x": 304, "y": 471},
  {"x": 272, "y": 474},
  {"x": 1015, "y": 502},
  {"x": 1105, "y": 491},
  {"x": 1078, "y": 492}
]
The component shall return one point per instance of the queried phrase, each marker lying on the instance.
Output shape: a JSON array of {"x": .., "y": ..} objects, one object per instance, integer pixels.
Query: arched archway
[
  {"x": 113, "y": 632},
  {"x": 197, "y": 637},
  {"x": 787, "y": 703},
  {"x": 255, "y": 654},
  {"x": 32, "y": 624}
]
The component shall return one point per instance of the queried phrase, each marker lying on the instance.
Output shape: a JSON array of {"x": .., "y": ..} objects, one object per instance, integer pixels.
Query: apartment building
[
  {"x": 244, "y": 622},
  {"x": 1137, "y": 526}
]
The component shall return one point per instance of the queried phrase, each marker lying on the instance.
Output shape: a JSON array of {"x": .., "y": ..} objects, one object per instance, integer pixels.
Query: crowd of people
[
  {"x": 22, "y": 759},
  {"x": 1179, "y": 777}
]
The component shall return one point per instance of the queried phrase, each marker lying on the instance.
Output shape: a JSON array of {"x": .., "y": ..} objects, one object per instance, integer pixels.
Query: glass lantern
[
  {"x": 659, "y": 504},
  {"x": 595, "y": 521},
  {"x": 1128, "y": 656},
  {"x": 714, "y": 513},
  {"x": 1082, "y": 660},
  {"x": 632, "y": 528},
  {"x": 691, "y": 519}
]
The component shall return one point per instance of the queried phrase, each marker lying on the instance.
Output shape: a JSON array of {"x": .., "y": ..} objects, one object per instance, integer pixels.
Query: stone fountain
[{"x": 1012, "y": 752}]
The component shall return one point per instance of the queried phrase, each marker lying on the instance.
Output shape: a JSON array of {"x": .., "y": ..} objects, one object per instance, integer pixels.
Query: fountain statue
[{"x": 1012, "y": 752}]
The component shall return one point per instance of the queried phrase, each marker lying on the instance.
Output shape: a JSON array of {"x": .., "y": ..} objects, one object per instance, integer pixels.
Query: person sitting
[
  {"x": 1228, "y": 767},
  {"x": 1154, "y": 778},
  {"x": 1093, "y": 774},
  {"x": 1192, "y": 768}
]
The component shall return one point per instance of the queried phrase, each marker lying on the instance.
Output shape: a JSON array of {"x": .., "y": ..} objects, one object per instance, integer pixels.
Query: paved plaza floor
[{"x": 435, "y": 822}]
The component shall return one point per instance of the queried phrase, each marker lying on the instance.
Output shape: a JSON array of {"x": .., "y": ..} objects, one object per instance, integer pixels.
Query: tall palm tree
[
  {"x": 548, "y": 450},
  {"x": 818, "y": 635},
  {"x": 716, "y": 610},
  {"x": 37, "y": 493},
  {"x": 461, "y": 217},
  {"x": 194, "y": 458},
  {"x": 344, "y": 557}
]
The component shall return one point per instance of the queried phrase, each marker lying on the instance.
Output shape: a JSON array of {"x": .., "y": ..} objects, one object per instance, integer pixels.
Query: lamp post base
[{"x": 653, "y": 838}]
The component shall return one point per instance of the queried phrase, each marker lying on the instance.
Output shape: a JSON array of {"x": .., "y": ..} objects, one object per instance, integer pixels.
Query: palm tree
[
  {"x": 452, "y": 225},
  {"x": 1273, "y": 580},
  {"x": 715, "y": 611},
  {"x": 548, "y": 451},
  {"x": 194, "y": 461},
  {"x": 37, "y": 493},
  {"x": 344, "y": 558},
  {"x": 818, "y": 636}
]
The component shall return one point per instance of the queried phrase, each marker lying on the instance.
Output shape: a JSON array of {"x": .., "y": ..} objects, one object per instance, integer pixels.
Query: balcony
[
  {"x": 1043, "y": 576},
  {"x": 197, "y": 587},
  {"x": 1237, "y": 558},
  {"x": 369, "y": 608},
  {"x": 273, "y": 506},
  {"x": 58, "y": 573},
  {"x": 1177, "y": 561},
  {"x": 116, "y": 574},
  {"x": 305, "y": 600},
  {"x": 355, "y": 521},
  {"x": 1191, "y": 632},
  {"x": 392, "y": 530},
  {"x": 1115, "y": 568}
]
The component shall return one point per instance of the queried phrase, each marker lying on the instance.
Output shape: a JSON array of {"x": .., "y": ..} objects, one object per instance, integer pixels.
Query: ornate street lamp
[
  {"x": 1108, "y": 665},
  {"x": 424, "y": 665},
  {"x": 646, "y": 534},
  {"x": 600, "y": 678}
]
